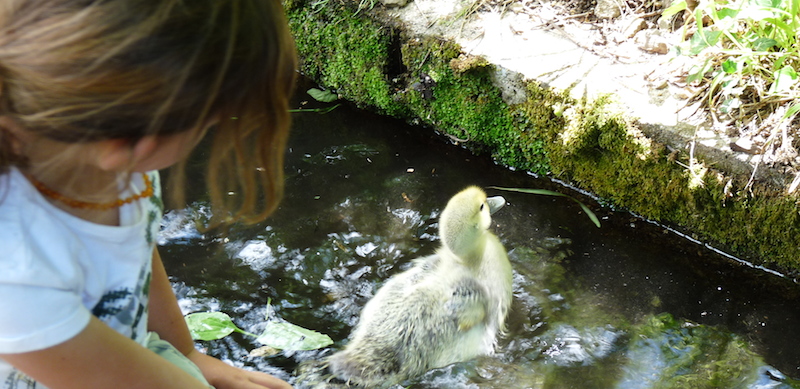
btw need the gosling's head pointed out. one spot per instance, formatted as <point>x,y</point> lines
<point>466,218</point>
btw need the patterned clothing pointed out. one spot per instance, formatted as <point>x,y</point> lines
<point>57,270</point>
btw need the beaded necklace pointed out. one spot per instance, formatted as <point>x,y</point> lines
<point>72,203</point>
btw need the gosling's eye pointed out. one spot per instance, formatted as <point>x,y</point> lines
<point>482,206</point>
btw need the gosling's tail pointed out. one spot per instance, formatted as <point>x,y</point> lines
<point>362,370</point>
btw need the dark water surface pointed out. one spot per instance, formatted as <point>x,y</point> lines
<point>628,305</point>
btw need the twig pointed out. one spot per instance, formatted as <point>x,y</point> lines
<point>575,16</point>
<point>455,139</point>
<point>648,14</point>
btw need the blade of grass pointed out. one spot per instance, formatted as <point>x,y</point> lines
<point>320,111</point>
<point>792,110</point>
<point>546,192</point>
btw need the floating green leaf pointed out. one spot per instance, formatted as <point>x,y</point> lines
<point>546,192</point>
<point>210,325</point>
<point>287,336</point>
<point>324,96</point>
<point>277,334</point>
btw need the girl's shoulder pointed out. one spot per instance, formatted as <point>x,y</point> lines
<point>22,207</point>
<point>24,222</point>
<point>17,198</point>
<point>33,230</point>
<point>21,202</point>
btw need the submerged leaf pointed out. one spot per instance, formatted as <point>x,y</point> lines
<point>210,325</point>
<point>287,336</point>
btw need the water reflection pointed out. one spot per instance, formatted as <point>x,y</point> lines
<point>624,306</point>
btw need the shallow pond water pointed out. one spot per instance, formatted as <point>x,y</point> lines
<point>627,305</point>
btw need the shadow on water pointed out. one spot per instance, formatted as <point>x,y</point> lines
<point>628,305</point>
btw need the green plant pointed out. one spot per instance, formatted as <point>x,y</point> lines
<point>366,5</point>
<point>748,52</point>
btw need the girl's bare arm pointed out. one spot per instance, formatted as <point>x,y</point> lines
<point>99,357</point>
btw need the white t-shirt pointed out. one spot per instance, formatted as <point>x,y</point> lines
<point>56,270</point>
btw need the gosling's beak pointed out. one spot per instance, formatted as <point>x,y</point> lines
<point>495,203</point>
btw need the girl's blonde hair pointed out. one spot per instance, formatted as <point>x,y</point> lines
<point>86,70</point>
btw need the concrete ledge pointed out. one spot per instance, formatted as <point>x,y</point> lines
<point>530,47</point>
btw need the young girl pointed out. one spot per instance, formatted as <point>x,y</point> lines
<point>95,96</point>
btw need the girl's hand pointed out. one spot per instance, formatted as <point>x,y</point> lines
<point>224,376</point>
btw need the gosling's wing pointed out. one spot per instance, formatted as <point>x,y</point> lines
<point>467,304</point>
<point>405,293</point>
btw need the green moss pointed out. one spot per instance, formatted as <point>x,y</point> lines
<point>597,148</point>
<point>346,53</point>
<point>603,152</point>
<point>468,106</point>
